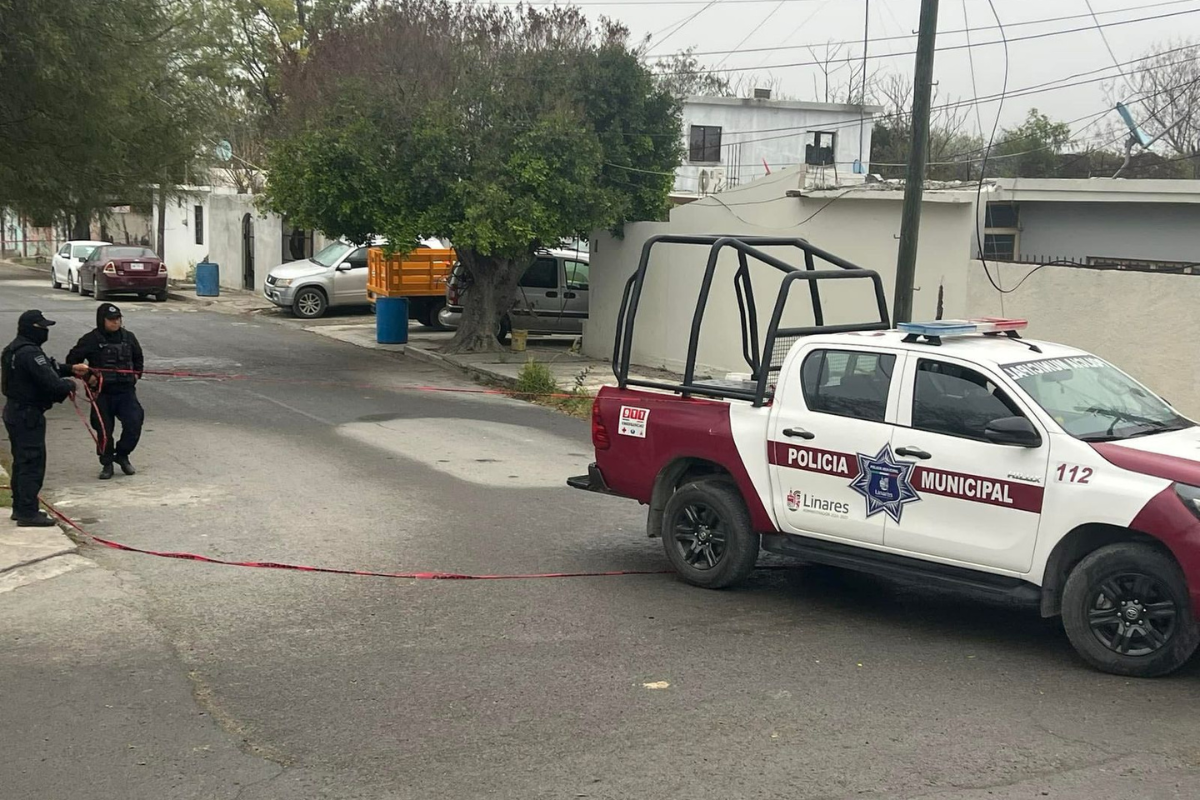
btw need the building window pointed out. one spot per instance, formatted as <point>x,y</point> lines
<point>820,152</point>
<point>199,224</point>
<point>1002,231</point>
<point>705,144</point>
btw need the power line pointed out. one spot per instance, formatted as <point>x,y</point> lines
<point>965,30</point>
<point>1050,86</point>
<point>971,58</point>
<point>983,167</point>
<point>1005,42</point>
<point>684,24</point>
<point>757,28</point>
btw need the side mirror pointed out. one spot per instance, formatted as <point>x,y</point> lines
<point>345,266</point>
<point>1013,431</point>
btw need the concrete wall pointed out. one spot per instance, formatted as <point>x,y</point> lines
<point>224,210</point>
<point>1145,324</point>
<point>775,131</point>
<point>227,214</point>
<point>1147,231</point>
<point>860,227</point>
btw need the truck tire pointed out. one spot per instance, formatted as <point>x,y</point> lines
<point>707,534</point>
<point>1127,611</point>
<point>429,314</point>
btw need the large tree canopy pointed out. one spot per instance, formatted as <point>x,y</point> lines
<point>501,129</point>
<point>98,100</point>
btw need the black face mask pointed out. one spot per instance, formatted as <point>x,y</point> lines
<point>35,334</point>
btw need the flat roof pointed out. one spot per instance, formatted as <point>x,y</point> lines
<point>788,105</point>
<point>1095,190</point>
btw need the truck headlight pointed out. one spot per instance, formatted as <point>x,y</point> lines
<point>1190,497</point>
<point>283,283</point>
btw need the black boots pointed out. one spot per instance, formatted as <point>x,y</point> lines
<point>42,520</point>
<point>126,467</point>
<point>106,472</point>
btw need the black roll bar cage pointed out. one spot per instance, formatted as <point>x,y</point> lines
<point>747,247</point>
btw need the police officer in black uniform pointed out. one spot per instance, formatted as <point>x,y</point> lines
<point>32,383</point>
<point>115,354</point>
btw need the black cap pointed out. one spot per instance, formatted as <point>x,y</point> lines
<point>34,318</point>
<point>109,311</point>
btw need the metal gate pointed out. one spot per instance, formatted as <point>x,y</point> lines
<point>248,252</point>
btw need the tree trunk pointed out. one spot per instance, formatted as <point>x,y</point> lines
<point>161,234</point>
<point>492,284</point>
<point>81,224</point>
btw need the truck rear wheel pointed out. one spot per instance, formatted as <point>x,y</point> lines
<point>1127,611</point>
<point>707,534</point>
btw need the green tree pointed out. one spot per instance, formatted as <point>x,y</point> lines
<point>98,100</point>
<point>1030,150</point>
<point>503,130</point>
<point>684,76</point>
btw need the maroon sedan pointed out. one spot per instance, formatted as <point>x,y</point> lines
<point>123,269</point>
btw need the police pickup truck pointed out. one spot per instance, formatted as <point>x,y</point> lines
<point>954,453</point>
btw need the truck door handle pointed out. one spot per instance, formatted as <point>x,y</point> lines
<point>569,295</point>
<point>913,452</point>
<point>551,294</point>
<point>798,433</point>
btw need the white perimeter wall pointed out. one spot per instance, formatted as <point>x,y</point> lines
<point>860,227</point>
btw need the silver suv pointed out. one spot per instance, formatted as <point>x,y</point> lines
<point>552,296</point>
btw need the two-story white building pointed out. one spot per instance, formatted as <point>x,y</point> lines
<point>730,141</point>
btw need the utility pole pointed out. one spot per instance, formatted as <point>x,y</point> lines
<point>910,225</point>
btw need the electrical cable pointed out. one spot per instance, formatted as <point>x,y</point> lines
<point>979,222</point>
<point>1006,41</point>
<point>966,30</point>
<point>746,38</point>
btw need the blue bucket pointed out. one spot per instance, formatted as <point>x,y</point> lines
<point>391,320</point>
<point>208,279</point>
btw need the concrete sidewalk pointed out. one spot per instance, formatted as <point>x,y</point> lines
<point>24,547</point>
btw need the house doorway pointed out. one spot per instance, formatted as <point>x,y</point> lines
<point>248,252</point>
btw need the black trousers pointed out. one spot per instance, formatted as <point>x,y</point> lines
<point>122,406</point>
<point>26,427</point>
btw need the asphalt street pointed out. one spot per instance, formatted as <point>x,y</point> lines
<point>136,677</point>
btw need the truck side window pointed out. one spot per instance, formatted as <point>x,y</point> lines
<point>542,275</point>
<point>847,383</point>
<point>957,401</point>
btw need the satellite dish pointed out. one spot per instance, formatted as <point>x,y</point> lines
<point>223,150</point>
<point>1138,134</point>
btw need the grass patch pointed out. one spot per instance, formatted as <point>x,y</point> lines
<point>537,384</point>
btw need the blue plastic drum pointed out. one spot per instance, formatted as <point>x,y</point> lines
<point>391,320</point>
<point>208,279</point>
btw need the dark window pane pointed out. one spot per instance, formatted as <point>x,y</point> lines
<point>1001,215</point>
<point>1002,246</point>
<point>199,224</point>
<point>848,384</point>
<point>542,275</point>
<point>956,401</point>
<point>704,143</point>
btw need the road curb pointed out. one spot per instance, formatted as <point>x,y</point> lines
<point>187,298</point>
<point>15,565</point>
<point>453,364</point>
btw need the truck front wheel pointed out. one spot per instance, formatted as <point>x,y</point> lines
<point>707,534</point>
<point>1127,611</point>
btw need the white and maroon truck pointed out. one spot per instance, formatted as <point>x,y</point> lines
<point>954,453</point>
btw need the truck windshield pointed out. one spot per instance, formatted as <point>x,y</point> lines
<point>330,253</point>
<point>1094,401</point>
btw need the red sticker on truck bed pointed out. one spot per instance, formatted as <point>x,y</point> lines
<point>634,421</point>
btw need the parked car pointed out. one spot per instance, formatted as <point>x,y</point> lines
<point>552,296</point>
<point>335,276</point>
<point>123,269</point>
<point>64,267</point>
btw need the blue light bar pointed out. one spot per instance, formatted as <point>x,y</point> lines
<point>948,327</point>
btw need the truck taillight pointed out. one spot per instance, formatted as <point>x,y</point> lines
<point>110,268</point>
<point>452,294</point>
<point>600,438</point>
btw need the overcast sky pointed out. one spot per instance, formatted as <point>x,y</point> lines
<point>771,23</point>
